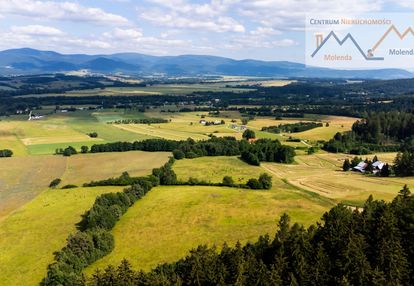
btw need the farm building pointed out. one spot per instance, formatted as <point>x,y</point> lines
<point>360,167</point>
<point>377,167</point>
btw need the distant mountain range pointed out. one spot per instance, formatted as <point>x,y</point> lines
<point>30,61</point>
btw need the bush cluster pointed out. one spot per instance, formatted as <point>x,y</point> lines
<point>6,153</point>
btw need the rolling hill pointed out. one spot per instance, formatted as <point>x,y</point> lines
<point>30,61</point>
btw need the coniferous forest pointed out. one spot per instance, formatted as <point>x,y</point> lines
<point>368,246</point>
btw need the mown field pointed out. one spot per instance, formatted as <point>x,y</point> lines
<point>322,174</point>
<point>30,235</point>
<point>58,130</point>
<point>170,221</point>
<point>22,178</point>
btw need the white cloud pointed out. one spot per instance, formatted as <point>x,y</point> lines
<point>257,42</point>
<point>284,43</point>
<point>265,31</point>
<point>36,30</point>
<point>173,19</point>
<point>124,34</point>
<point>214,8</point>
<point>405,3</point>
<point>68,11</point>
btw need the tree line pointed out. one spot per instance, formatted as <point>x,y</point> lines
<point>93,239</point>
<point>369,246</point>
<point>167,176</point>
<point>262,150</point>
<point>381,132</point>
<point>140,121</point>
<point>293,127</point>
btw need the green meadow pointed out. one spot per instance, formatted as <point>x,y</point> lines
<point>32,233</point>
<point>170,221</point>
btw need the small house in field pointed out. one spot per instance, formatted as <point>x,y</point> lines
<point>360,167</point>
<point>378,166</point>
<point>203,122</point>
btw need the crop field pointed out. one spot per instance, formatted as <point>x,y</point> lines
<point>169,221</point>
<point>22,178</point>
<point>30,235</point>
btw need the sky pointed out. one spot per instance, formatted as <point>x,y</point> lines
<point>239,29</point>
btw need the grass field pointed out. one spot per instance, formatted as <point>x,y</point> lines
<point>59,130</point>
<point>84,168</point>
<point>22,178</point>
<point>336,124</point>
<point>322,174</point>
<point>162,89</point>
<point>169,221</point>
<point>29,236</point>
<point>214,170</point>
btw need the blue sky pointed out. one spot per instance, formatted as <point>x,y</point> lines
<point>240,29</point>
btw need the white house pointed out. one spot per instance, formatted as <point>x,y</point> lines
<point>377,167</point>
<point>361,167</point>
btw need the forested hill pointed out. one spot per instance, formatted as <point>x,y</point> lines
<point>30,61</point>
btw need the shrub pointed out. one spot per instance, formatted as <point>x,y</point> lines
<point>254,184</point>
<point>84,149</point>
<point>6,153</point>
<point>249,134</point>
<point>69,187</point>
<point>55,183</point>
<point>265,181</point>
<point>69,151</point>
<point>178,154</point>
<point>228,181</point>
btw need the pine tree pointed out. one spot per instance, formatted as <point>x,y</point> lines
<point>385,171</point>
<point>405,192</point>
<point>125,275</point>
<point>346,166</point>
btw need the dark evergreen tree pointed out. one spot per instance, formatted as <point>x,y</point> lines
<point>347,165</point>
